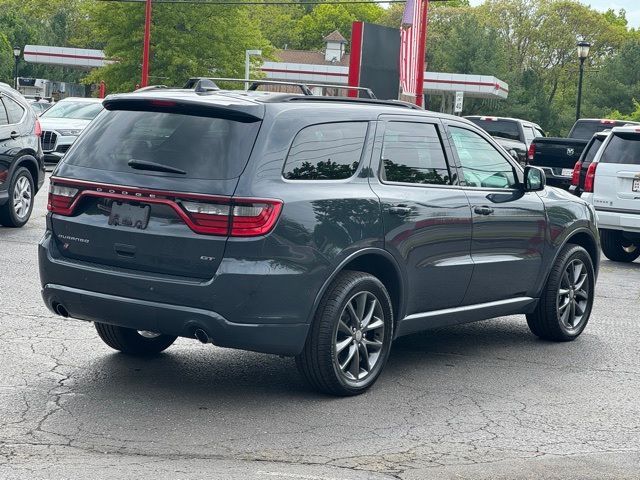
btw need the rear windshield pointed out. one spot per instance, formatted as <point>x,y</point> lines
<point>585,129</point>
<point>623,148</point>
<point>499,128</point>
<point>592,149</point>
<point>201,147</point>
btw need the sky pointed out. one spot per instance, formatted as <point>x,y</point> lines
<point>631,6</point>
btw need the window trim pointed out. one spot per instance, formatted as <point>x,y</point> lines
<point>361,160</point>
<point>453,170</point>
<point>24,110</point>
<point>518,170</point>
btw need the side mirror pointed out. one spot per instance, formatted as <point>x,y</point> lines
<point>534,179</point>
<point>514,155</point>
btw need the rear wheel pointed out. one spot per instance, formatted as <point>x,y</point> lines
<point>16,212</point>
<point>133,342</point>
<point>350,337</point>
<point>617,248</point>
<point>565,304</point>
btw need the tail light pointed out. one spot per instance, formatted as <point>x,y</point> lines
<point>204,214</point>
<point>589,181</point>
<point>575,178</point>
<point>3,175</point>
<point>37,129</point>
<point>531,152</point>
<point>61,198</point>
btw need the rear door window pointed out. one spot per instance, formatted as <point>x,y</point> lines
<point>329,151</point>
<point>413,153</point>
<point>14,111</point>
<point>623,148</point>
<point>202,147</point>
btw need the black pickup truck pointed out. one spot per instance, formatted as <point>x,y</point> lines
<point>557,156</point>
<point>513,134</point>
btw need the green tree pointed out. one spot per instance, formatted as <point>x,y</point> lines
<point>186,41</point>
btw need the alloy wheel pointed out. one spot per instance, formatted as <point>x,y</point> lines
<point>22,197</point>
<point>359,336</point>
<point>573,295</point>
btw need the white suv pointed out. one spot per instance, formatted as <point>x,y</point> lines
<point>612,186</point>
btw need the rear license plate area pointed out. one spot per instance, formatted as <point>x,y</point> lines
<point>635,187</point>
<point>129,215</point>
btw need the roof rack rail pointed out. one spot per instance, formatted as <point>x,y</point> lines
<point>372,101</point>
<point>150,87</point>
<point>203,84</point>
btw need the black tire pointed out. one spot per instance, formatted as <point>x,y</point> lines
<point>546,321</point>
<point>319,361</point>
<point>8,215</point>
<point>131,342</point>
<point>617,248</point>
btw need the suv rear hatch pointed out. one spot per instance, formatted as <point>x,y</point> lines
<point>149,187</point>
<point>617,174</point>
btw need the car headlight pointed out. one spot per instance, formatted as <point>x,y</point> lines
<point>71,132</point>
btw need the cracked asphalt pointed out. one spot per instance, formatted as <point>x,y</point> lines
<point>480,401</point>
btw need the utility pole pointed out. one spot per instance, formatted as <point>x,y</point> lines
<point>146,47</point>
<point>424,14</point>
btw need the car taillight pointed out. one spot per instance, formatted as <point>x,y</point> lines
<point>531,152</point>
<point>252,218</point>
<point>238,217</point>
<point>60,198</point>
<point>575,178</point>
<point>3,175</point>
<point>590,178</point>
<point>37,130</point>
<point>204,214</point>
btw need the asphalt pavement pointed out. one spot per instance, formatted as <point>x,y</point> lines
<point>481,401</point>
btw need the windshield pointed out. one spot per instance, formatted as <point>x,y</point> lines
<point>77,110</point>
<point>167,144</point>
<point>499,128</point>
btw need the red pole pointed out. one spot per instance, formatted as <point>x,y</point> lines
<point>421,48</point>
<point>102,89</point>
<point>145,48</point>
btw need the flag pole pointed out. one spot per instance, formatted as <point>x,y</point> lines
<point>424,9</point>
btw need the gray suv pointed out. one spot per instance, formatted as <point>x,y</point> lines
<point>315,227</point>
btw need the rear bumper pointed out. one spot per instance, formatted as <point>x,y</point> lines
<point>618,220</point>
<point>555,179</point>
<point>178,320</point>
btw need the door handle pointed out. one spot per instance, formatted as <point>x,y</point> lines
<point>14,135</point>
<point>123,250</point>
<point>483,210</point>
<point>400,210</point>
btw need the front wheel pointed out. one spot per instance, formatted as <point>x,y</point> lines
<point>617,248</point>
<point>350,338</point>
<point>566,301</point>
<point>133,342</point>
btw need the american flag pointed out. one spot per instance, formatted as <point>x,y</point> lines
<point>409,46</point>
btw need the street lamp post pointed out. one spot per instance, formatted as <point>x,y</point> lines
<point>583,53</point>
<point>247,64</point>
<point>16,56</point>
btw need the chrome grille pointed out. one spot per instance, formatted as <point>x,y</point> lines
<point>48,141</point>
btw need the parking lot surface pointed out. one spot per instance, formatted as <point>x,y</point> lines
<point>483,401</point>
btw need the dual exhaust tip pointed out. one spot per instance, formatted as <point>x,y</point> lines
<point>200,334</point>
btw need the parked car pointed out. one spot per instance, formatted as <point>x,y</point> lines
<point>513,134</point>
<point>21,162</point>
<point>63,123</point>
<point>40,106</point>
<point>557,156</point>
<point>314,227</point>
<point>612,186</point>
<point>582,165</point>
